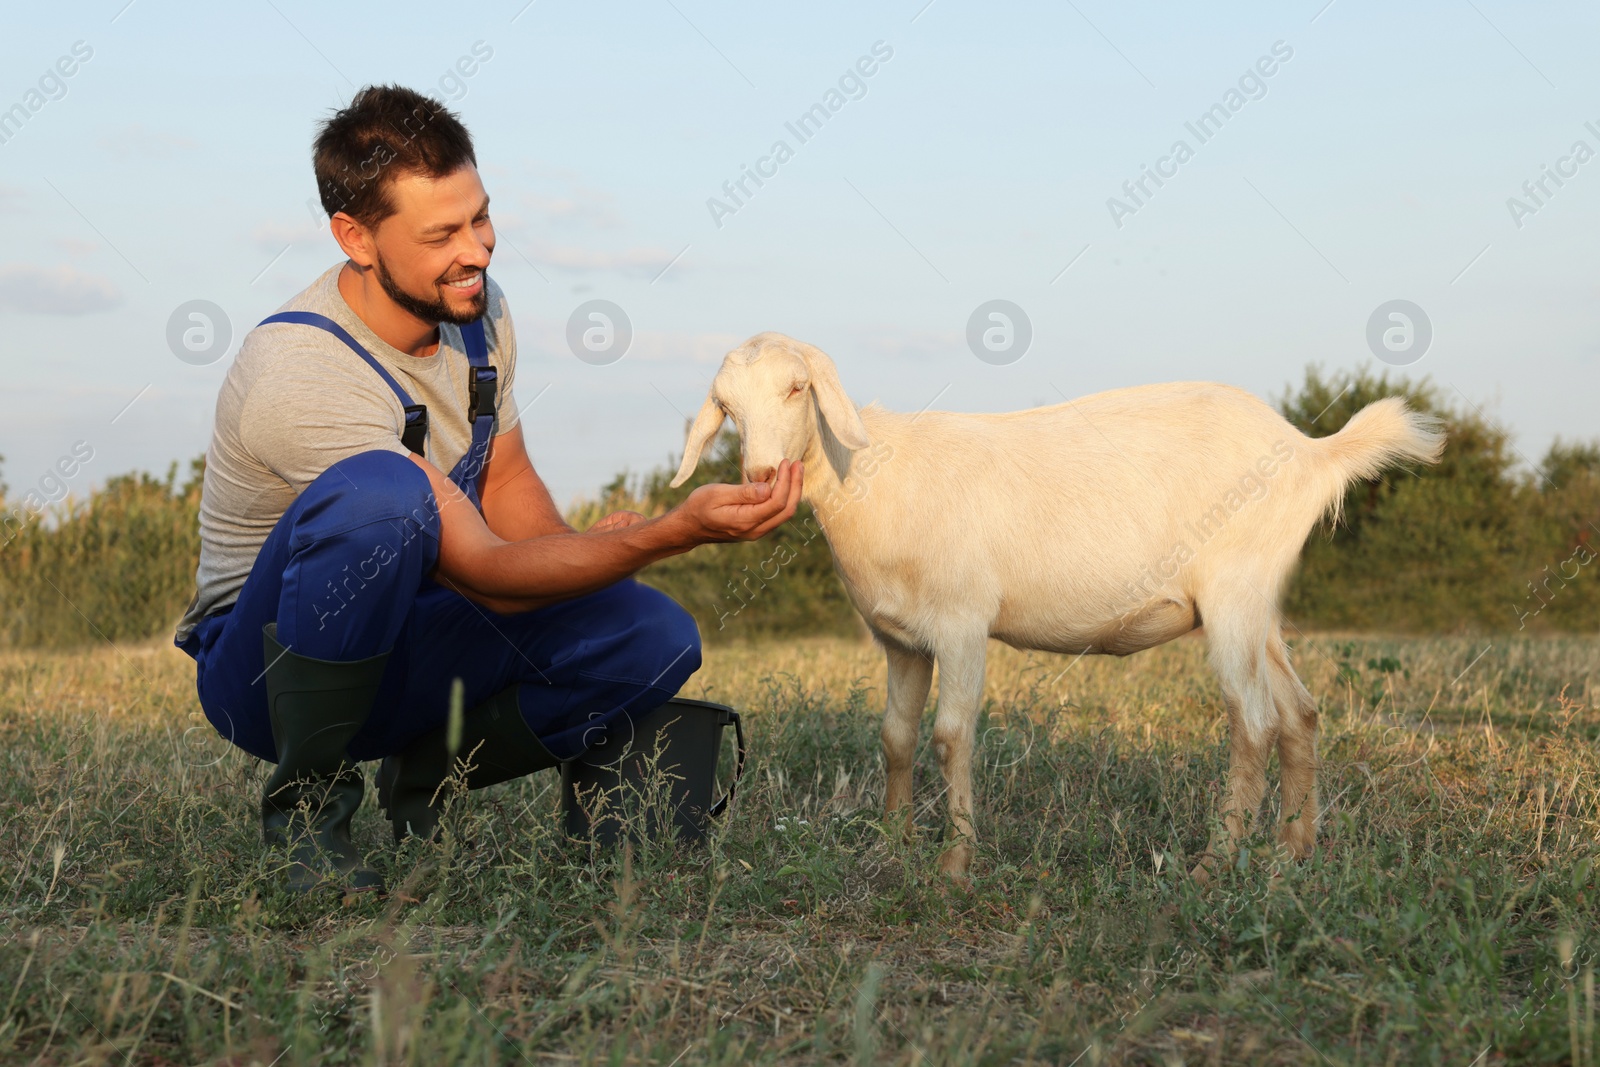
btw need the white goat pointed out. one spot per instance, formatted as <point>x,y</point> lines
<point>1107,524</point>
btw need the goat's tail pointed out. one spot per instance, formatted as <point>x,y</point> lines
<point>1381,435</point>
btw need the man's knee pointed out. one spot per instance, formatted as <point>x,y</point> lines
<point>377,486</point>
<point>672,635</point>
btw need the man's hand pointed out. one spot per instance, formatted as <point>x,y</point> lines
<point>510,576</point>
<point>743,512</point>
<point>615,521</point>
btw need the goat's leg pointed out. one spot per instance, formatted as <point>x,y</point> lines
<point>1297,754</point>
<point>954,733</point>
<point>1238,653</point>
<point>910,677</point>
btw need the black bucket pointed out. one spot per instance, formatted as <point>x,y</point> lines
<point>681,742</point>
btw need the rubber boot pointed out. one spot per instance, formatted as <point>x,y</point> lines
<point>316,707</point>
<point>495,742</point>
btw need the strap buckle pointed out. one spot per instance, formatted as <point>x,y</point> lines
<point>416,431</point>
<point>482,388</point>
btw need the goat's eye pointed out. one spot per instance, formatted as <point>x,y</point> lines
<point>796,389</point>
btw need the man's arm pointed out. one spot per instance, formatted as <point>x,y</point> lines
<point>516,503</point>
<point>517,575</point>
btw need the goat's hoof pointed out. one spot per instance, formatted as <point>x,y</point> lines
<point>956,862</point>
<point>1206,869</point>
<point>1298,846</point>
<point>899,823</point>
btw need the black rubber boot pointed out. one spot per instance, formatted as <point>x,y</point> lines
<point>317,706</point>
<point>495,742</point>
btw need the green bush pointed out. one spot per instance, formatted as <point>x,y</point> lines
<point>117,567</point>
<point>1449,548</point>
<point>1480,543</point>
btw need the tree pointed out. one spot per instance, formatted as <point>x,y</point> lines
<point>1436,548</point>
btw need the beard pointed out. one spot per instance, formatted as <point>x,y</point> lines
<point>436,309</point>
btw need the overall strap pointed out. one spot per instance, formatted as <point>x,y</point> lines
<point>416,415</point>
<point>483,380</point>
<point>482,388</point>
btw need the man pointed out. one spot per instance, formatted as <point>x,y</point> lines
<point>372,528</point>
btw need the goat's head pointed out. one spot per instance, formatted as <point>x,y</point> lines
<point>781,394</point>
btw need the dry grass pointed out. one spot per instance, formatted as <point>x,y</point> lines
<point>1449,917</point>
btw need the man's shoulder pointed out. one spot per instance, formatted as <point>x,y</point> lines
<point>312,298</point>
<point>272,341</point>
<point>285,356</point>
<point>316,296</point>
<point>287,348</point>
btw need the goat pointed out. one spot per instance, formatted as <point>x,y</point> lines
<point>1108,524</point>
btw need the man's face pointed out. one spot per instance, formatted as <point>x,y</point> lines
<point>431,254</point>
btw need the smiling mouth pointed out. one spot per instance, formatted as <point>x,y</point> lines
<point>469,282</point>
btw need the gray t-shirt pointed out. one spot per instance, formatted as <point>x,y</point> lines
<point>297,400</point>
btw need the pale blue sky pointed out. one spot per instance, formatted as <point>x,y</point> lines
<point>978,164</point>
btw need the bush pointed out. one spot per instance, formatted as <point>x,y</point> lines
<point>117,567</point>
<point>1477,543</point>
<point>1449,548</point>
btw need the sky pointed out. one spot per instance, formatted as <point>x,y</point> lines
<point>1382,159</point>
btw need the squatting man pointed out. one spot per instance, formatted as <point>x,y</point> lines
<point>371,526</point>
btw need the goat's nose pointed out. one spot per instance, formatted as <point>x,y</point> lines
<point>759,474</point>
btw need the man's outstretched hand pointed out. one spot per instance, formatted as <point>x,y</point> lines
<point>511,575</point>
<point>746,512</point>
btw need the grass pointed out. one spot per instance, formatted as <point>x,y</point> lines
<point>1449,915</point>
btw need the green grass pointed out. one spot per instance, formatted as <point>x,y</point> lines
<point>1448,917</point>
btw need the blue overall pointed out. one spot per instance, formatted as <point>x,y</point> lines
<point>345,573</point>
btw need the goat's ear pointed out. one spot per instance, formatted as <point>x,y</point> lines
<point>706,425</point>
<point>832,400</point>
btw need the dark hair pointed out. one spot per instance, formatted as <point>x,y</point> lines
<point>385,132</point>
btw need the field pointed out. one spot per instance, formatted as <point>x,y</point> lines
<point>1450,915</point>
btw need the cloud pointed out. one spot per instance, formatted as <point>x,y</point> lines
<point>271,237</point>
<point>649,346</point>
<point>889,342</point>
<point>10,199</point>
<point>546,214</point>
<point>134,140</point>
<point>581,206</point>
<point>663,346</point>
<point>55,290</point>
<point>550,196</point>
<point>639,262</point>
